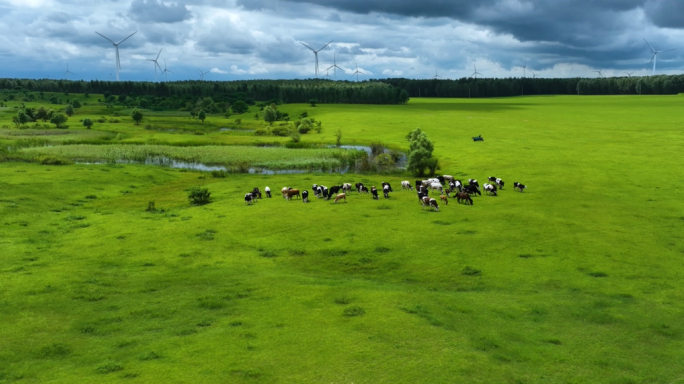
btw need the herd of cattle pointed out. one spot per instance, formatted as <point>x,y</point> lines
<point>444,185</point>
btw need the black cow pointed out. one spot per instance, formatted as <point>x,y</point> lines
<point>363,189</point>
<point>471,190</point>
<point>256,192</point>
<point>500,183</point>
<point>374,193</point>
<point>519,186</point>
<point>314,188</point>
<point>248,198</point>
<point>441,179</point>
<point>474,183</point>
<point>419,183</point>
<point>305,196</point>
<point>386,190</point>
<point>421,194</point>
<point>333,191</point>
<point>359,186</point>
<point>325,192</point>
<point>491,179</point>
<point>384,184</point>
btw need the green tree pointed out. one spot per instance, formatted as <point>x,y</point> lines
<point>58,119</point>
<point>239,107</point>
<point>420,153</point>
<point>270,114</point>
<point>23,117</point>
<point>418,161</point>
<point>338,137</point>
<point>76,104</point>
<point>15,121</point>
<point>201,115</point>
<point>313,102</point>
<point>137,116</point>
<point>69,110</point>
<point>87,123</point>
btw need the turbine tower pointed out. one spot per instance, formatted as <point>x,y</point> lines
<point>654,58</point>
<point>599,73</point>
<point>629,74</point>
<point>525,68</point>
<point>476,72</point>
<point>202,73</point>
<point>334,67</point>
<point>156,65</point>
<point>165,71</point>
<point>436,76</point>
<point>116,48</point>
<point>316,53</point>
<point>357,72</point>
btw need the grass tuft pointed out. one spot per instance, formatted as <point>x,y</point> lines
<point>109,366</point>
<point>353,311</point>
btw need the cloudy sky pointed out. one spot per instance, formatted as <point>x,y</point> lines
<point>248,39</point>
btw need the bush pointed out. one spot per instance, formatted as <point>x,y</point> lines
<point>199,196</point>
<point>280,131</point>
<point>220,174</point>
<point>261,132</point>
<point>313,102</point>
<point>377,148</point>
<point>52,160</point>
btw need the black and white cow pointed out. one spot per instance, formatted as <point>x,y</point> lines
<point>474,183</point>
<point>406,185</point>
<point>248,198</point>
<point>305,196</point>
<point>490,189</point>
<point>314,188</point>
<point>421,194</point>
<point>374,193</point>
<point>346,187</point>
<point>471,190</point>
<point>333,191</point>
<point>500,183</point>
<point>491,179</point>
<point>458,185</point>
<point>386,190</point>
<point>268,192</point>
<point>359,186</point>
<point>384,184</point>
<point>256,192</point>
<point>442,179</point>
<point>518,186</point>
<point>419,183</point>
<point>363,189</point>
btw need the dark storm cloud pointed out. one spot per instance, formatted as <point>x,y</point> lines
<point>158,11</point>
<point>666,13</point>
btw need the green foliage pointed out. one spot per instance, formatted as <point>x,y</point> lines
<point>199,196</point>
<point>87,123</point>
<point>137,116</point>
<point>201,115</point>
<point>22,118</point>
<point>420,153</point>
<point>58,119</point>
<point>69,110</point>
<point>338,137</point>
<point>270,114</point>
<point>76,104</point>
<point>239,107</point>
<point>109,367</point>
<point>295,135</point>
<point>313,102</point>
<point>353,311</point>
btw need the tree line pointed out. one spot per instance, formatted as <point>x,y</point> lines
<point>287,91</point>
<point>491,87</point>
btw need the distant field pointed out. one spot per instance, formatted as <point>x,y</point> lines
<point>577,280</point>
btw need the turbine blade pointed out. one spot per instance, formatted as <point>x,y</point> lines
<point>325,45</point>
<point>307,46</point>
<point>158,56</point>
<point>127,37</point>
<point>105,37</point>
<point>650,45</point>
<point>668,50</point>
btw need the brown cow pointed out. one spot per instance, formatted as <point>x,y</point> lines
<point>465,197</point>
<point>341,196</point>
<point>425,202</point>
<point>292,193</point>
<point>444,199</point>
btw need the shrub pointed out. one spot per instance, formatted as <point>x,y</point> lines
<point>199,196</point>
<point>280,131</point>
<point>304,114</point>
<point>353,311</point>
<point>220,174</point>
<point>52,160</point>
<point>313,102</point>
<point>261,132</point>
<point>377,148</point>
<point>87,123</point>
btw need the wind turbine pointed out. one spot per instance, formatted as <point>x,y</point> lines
<point>357,72</point>
<point>316,53</point>
<point>165,71</point>
<point>327,74</point>
<point>334,67</point>
<point>68,71</point>
<point>436,76</point>
<point>476,72</point>
<point>202,74</point>
<point>116,47</point>
<point>654,58</point>
<point>156,65</point>
<point>599,72</point>
<point>629,74</point>
<point>534,75</point>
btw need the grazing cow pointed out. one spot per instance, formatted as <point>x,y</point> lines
<point>471,190</point>
<point>442,179</point>
<point>406,185</point>
<point>433,204</point>
<point>490,189</point>
<point>333,191</point>
<point>419,183</point>
<point>314,188</point>
<point>449,177</point>
<point>256,192</point>
<point>386,190</point>
<point>424,202</point>
<point>491,179</point>
<point>429,203</point>
<point>363,189</point>
<point>448,192</point>
<point>325,192</point>
<point>458,185</point>
<point>436,186</point>
<point>248,199</point>
<point>444,199</point>
<point>284,191</point>
<point>268,192</point>
<point>500,183</point>
<point>463,196</point>
<point>292,193</point>
<point>341,196</point>
<point>358,186</point>
<point>384,184</point>
<point>305,196</point>
<point>519,186</point>
<point>374,193</point>
<point>318,192</point>
<point>421,195</point>
<point>474,182</point>
<point>346,187</point>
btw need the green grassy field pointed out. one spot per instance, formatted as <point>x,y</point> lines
<point>577,280</point>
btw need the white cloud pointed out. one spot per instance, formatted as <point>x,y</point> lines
<point>216,70</point>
